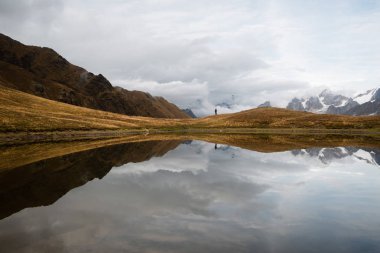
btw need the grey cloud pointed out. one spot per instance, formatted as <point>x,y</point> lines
<point>17,16</point>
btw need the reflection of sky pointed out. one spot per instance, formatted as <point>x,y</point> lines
<point>198,199</point>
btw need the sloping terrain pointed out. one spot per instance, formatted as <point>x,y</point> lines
<point>43,72</point>
<point>283,118</point>
<point>20,111</point>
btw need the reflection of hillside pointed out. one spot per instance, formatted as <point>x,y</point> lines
<point>277,142</point>
<point>45,181</point>
<point>327,155</point>
<point>39,174</point>
<point>21,155</point>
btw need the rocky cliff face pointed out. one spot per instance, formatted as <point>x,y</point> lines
<point>342,109</point>
<point>367,103</point>
<point>43,72</point>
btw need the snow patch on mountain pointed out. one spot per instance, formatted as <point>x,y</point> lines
<point>365,97</point>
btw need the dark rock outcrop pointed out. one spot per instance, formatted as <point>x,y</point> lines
<point>350,104</point>
<point>368,108</point>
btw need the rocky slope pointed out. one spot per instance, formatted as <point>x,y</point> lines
<point>43,72</point>
<point>367,103</point>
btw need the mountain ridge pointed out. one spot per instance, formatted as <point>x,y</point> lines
<point>41,71</point>
<point>367,103</point>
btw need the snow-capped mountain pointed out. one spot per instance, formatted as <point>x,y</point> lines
<point>318,104</point>
<point>367,103</point>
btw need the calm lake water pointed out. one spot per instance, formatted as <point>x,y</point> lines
<point>193,196</point>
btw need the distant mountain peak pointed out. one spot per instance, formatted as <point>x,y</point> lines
<point>189,112</point>
<point>265,104</point>
<point>326,92</point>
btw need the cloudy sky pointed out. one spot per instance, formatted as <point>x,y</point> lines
<point>200,53</point>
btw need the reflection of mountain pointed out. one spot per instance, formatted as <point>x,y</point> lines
<point>44,182</point>
<point>327,155</point>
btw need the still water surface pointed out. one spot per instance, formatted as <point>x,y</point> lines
<point>193,196</point>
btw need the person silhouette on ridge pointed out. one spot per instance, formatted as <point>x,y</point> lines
<point>216,111</point>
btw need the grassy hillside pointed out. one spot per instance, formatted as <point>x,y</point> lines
<point>43,72</point>
<point>284,118</point>
<point>24,112</point>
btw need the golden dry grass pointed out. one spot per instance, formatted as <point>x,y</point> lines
<point>21,112</point>
<point>18,155</point>
<point>283,118</point>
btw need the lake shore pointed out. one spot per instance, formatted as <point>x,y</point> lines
<point>13,138</point>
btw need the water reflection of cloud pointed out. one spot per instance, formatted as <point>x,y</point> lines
<point>187,157</point>
<point>196,198</point>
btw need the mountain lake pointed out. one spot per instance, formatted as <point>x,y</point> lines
<point>191,196</point>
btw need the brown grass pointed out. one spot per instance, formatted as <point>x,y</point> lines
<point>21,112</point>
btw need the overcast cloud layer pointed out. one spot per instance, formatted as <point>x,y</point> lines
<point>201,53</point>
